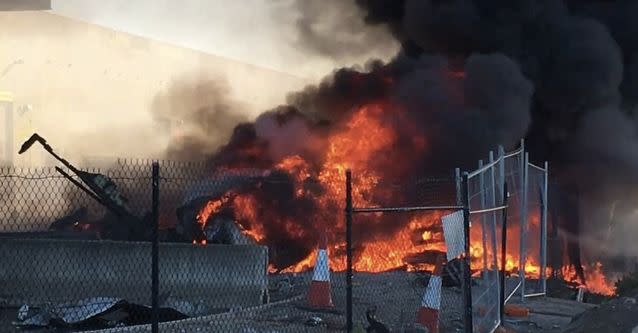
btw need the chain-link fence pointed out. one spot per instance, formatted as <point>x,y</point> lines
<point>187,250</point>
<point>57,272</point>
<point>403,274</point>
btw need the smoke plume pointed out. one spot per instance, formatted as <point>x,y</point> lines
<point>336,29</point>
<point>199,113</point>
<point>580,57</point>
<point>471,74</point>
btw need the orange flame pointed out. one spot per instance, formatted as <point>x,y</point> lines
<point>361,143</point>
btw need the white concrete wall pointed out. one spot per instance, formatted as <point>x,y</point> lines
<point>86,83</point>
<point>35,271</point>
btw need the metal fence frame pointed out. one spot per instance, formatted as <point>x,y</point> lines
<point>517,184</point>
<point>482,201</point>
<point>543,203</point>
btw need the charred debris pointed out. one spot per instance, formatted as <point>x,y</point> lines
<point>120,223</point>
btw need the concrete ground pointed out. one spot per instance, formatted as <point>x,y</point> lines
<point>547,314</point>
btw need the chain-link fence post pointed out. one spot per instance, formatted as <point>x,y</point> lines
<point>467,273</point>
<point>349,324</point>
<point>155,251</point>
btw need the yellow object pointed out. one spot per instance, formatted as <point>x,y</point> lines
<point>6,96</point>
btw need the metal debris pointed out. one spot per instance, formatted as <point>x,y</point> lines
<point>314,321</point>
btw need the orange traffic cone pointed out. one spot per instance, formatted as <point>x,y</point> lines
<point>319,294</point>
<point>428,314</point>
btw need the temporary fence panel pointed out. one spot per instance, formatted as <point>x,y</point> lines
<point>514,163</point>
<point>525,255</point>
<point>536,231</point>
<point>484,195</point>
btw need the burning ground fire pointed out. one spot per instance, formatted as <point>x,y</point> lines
<point>365,143</point>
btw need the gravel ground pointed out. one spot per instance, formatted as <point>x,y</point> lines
<point>397,297</point>
<point>619,315</point>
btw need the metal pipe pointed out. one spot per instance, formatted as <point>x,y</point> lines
<point>402,209</point>
<point>536,167</point>
<point>482,217</point>
<point>503,254</point>
<point>518,285</point>
<point>467,276</point>
<point>457,180</point>
<point>481,169</point>
<point>544,203</point>
<point>487,210</point>
<point>523,233</point>
<point>9,136</point>
<point>78,184</point>
<point>155,250</point>
<point>513,153</point>
<point>493,227</point>
<point>349,211</point>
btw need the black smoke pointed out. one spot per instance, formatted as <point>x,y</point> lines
<point>473,74</point>
<point>582,59</point>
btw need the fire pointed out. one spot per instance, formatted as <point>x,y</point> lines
<point>210,208</point>
<point>366,141</point>
<point>390,252</point>
<point>245,209</point>
<point>354,147</point>
<point>595,280</point>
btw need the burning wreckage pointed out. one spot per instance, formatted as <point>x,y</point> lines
<point>119,223</point>
<point>247,206</point>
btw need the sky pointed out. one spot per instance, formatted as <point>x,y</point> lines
<point>259,32</point>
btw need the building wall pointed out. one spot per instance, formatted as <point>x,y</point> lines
<point>78,83</point>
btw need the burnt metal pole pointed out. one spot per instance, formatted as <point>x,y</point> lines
<point>155,250</point>
<point>467,276</point>
<point>349,212</point>
<point>544,203</point>
<point>503,252</point>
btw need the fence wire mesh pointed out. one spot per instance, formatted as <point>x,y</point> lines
<point>395,253</point>
<point>70,263</point>
<point>514,177</point>
<point>237,253</point>
<point>56,273</point>
<point>485,198</point>
<point>535,233</point>
<point>524,260</point>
